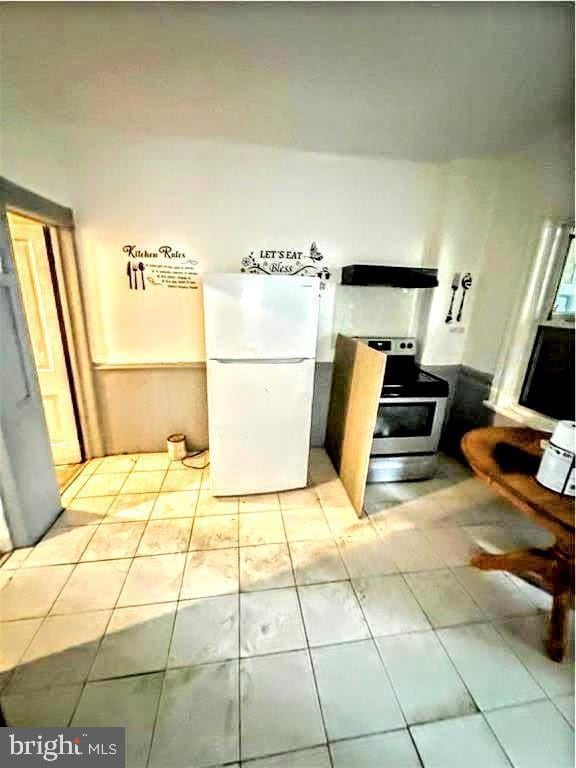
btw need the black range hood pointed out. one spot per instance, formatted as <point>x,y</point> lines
<point>395,277</point>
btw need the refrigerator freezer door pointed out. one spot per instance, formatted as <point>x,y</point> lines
<point>259,425</point>
<point>260,316</point>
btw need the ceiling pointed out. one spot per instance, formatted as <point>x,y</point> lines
<point>425,81</point>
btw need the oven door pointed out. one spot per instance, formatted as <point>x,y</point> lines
<point>408,425</point>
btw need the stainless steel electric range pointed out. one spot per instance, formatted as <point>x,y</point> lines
<point>411,412</point>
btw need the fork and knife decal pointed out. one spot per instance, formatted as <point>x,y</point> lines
<point>133,270</point>
<point>465,283</point>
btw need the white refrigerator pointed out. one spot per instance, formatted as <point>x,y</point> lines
<point>260,333</point>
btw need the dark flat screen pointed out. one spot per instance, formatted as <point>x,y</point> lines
<point>549,383</point>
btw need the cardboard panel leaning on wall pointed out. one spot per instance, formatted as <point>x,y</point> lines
<point>356,388</point>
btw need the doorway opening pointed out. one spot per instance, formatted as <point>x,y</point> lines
<point>36,250</point>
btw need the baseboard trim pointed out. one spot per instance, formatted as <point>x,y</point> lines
<point>145,366</point>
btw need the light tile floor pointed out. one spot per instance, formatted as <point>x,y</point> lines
<point>279,631</point>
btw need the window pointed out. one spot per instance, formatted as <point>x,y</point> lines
<point>564,302</point>
<point>535,377</point>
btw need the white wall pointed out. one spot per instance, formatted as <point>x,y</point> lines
<point>491,218</point>
<point>469,191</point>
<point>531,186</point>
<point>217,202</point>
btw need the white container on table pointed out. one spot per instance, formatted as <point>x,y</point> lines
<point>556,470</point>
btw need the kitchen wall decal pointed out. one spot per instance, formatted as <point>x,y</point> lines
<point>287,262</point>
<point>166,267</point>
<point>458,281</point>
<point>454,290</point>
<point>466,285</point>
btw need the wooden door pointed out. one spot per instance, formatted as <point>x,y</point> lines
<point>37,290</point>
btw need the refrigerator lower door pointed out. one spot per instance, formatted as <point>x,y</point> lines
<point>259,415</point>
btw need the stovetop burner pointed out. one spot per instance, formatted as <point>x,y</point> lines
<point>420,383</point>
<point>402,376</point>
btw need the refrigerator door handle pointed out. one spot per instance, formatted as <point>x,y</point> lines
<point>261,361</point>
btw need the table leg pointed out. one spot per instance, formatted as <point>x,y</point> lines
<point>557,571</point>
<point>537,560</point>
<point>558,627</point>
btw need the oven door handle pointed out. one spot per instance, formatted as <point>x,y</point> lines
<point>391,399</point>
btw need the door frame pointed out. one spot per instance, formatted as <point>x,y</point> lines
<point>60,221</point>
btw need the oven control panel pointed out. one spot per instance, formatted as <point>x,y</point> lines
<point>392,345</point>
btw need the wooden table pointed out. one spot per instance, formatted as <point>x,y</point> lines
<point>507,459</point>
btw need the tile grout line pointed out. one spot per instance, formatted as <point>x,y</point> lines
<point>500,744</point>
<point>117,521</point>
<point>78,477</point>
<point>560,711</point>
<point>486,620</point>
<point>413,742</point>
<point>341,543</point>
<point>289,549</point>
<point>119,493</point>
<point>429,617</point>
<point>150,521</point>
<point>272,654</point>
<point>505,706</point>
<point>75,476</point>
<point>134,471</point>
<point>108,623</point>
<point>381,733</point>
<point>308,649</point>
<point>481,621</point>
<point>374,638</point>
<point>515,589</point>
<point>377,649</point>
<point>99,645</point>
<point>133,555</point>
<point>43,620</point>
<point>512,650</point>
<point>434,630</point>
<point>165,672</point>
<point>100,519</point>
<point>101,640</point>
<point>277,589</point>
<point>338,539</point>
<point>10,673</point>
